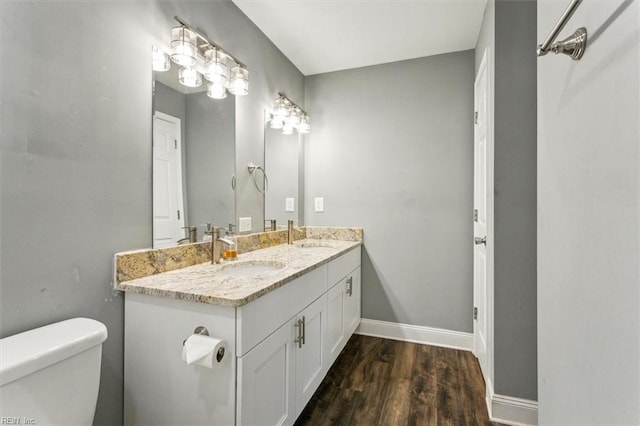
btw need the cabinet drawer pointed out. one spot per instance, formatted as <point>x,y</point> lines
<point>340,267</point>
<point>258,319</point>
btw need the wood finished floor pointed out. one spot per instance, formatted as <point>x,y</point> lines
<point>385,382</point>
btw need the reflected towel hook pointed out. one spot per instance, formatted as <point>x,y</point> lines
<point>252,168</point>
<point>574,45</point>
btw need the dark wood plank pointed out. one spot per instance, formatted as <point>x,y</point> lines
<point>396,403</point>
<point>450,411</point>
<point>423,409</point>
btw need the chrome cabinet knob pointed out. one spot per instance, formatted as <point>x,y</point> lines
<point>479,240</point>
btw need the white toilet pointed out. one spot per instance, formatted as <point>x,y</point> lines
<point>50,375</point>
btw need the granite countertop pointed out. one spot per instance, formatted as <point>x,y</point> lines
<point>213,284</point>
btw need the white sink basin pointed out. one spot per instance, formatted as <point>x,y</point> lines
<point>251,268</point>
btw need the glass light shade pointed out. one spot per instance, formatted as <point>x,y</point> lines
<point>183,44</point>
<point>294,117</point>
<point>281,107</point>
<point>216,91</point>
<point>287,129</point>
<point>276,122</point>
<point>189,77</point>
<point>304,126</point>
<point>160,60</point>
<point>216,69</point>
<point>239,81</point>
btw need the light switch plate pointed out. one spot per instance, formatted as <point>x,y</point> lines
<point>319,204</point>
<point>244,224</point>
<point>289,204</point>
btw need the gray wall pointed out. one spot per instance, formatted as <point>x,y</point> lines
<point>589,220</point>
<point>391,150</point>
<point>75,175</point>
<point>509,31</point>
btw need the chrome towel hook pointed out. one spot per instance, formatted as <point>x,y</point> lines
<point>574,45</point>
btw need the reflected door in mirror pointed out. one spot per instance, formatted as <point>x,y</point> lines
<point>168,216</point>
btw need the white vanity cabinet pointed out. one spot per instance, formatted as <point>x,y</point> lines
<point>279,349</point>
<point>277,378</point>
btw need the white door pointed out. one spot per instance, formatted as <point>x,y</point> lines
<point>480,217</point>
<point>265,391</point>
<point>309,355</point>
<point>168,212</point>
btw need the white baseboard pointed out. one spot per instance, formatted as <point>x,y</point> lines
<point>416,334</point>
<point>509,410</point>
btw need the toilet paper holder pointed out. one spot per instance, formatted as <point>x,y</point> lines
<point>204,332</point>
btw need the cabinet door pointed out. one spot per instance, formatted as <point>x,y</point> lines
<point>335,321</point>
<point>266,387</point>
<point>352,303</point>
<point>309,353</point>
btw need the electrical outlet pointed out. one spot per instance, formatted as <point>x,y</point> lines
<point>289,204</point>
<point>244,224</point>
<point>319,204</point>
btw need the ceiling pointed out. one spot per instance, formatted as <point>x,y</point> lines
<point>321,36</point>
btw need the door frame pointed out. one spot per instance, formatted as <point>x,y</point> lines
<point>486,62</point>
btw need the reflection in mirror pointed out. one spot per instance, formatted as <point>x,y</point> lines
<point>281,154</point>
<point>193,161</point>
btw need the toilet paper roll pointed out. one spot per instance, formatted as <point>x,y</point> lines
<point>204,351</point>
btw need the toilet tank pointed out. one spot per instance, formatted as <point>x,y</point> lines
<point>50,375</point>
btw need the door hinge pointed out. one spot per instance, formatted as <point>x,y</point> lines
<point>178,214</point>
<point>475,215</point>
<point>475,117</point>
<point>175,143</point>
<point>475,313</point>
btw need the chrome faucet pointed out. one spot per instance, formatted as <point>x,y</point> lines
<point>290,238</point>
<point>216,245</point>
<point>193,235</point>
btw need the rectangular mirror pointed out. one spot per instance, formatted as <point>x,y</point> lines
<point>193,161</point>
<point>281,157</point>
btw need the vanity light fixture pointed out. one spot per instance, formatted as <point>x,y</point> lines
<point>198,56</point>
<point>288,116</point>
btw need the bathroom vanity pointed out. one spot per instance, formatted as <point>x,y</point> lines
<point>285,313</point>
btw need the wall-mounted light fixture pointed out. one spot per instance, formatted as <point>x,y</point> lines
<point>288,116</point>
<point>198,56</point>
